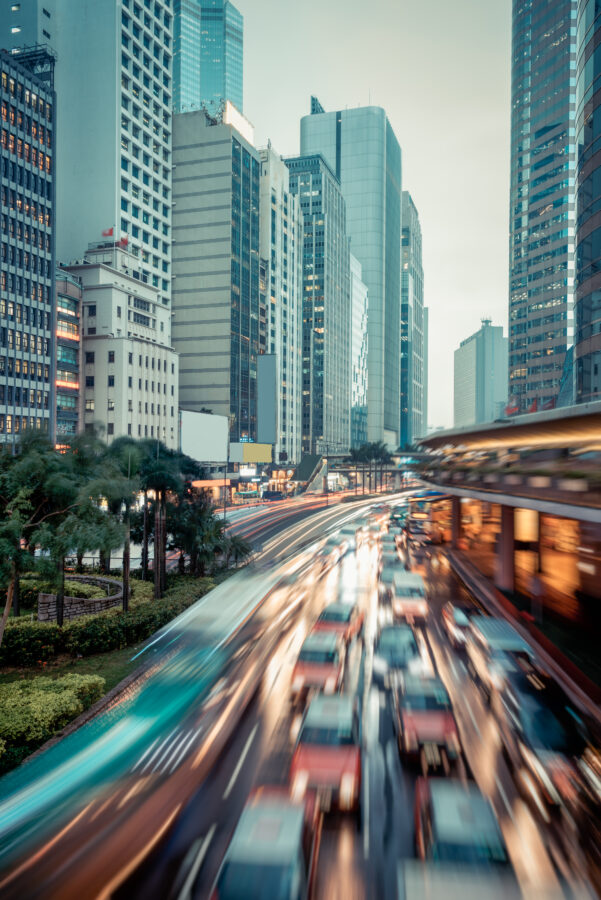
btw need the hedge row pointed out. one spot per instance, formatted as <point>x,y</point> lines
<point>34,709</point>
<point>28,643</point>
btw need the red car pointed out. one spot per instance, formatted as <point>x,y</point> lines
<point>426,726</point>
<point>320,665</point>
<point>274,849</point>
<point>327,757</point>
<point>344,619</point>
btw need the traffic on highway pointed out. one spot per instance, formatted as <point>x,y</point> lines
<point>342,719</point>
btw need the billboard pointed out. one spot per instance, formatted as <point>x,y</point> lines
<point>203,437</point>
<point>248,452</point>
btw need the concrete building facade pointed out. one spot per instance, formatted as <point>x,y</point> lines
<point>27,228</point>
<point>541,266</point>
<point>326,359</point>
<point>113,87</point>
<point>216,267</point>
<point>361,149</point>
<point>281,254</point>
<point>130,370</point>
<point>480,370</point>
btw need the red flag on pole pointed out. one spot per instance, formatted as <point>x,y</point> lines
<point>533,405</point>
<point>108,232</point>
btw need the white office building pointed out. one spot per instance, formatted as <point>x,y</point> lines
<point>280,249</point>
<point>113,145</point>
<point>130,371</point>
<point>480,377</point>
<point>216,266</point>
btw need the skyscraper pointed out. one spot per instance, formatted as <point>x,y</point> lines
<point>359,307</point>
<point>281,251</point>
<point>216,267</point>
<point>413,346</point>
<point>208,43</point>
<point>113,90</point>
<point>27,276</point>
<point>541,198</point>
<point>326,359</point>
<point>360,147</point>
<point>69,368</point>
<point>587,350</point>
<point>221,53</point>
<point>480,376</point>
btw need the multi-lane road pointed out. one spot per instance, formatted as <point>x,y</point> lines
<point>144,801</point>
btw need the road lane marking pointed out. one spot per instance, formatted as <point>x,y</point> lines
<point>145,754</point>
<point>159,748</point>
<point>505,800</point>
<point>240,762</point>
<point>473,718</point>
<point>189,882</point>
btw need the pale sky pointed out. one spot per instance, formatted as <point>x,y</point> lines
<point>441,70</point>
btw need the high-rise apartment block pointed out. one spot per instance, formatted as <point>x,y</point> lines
<point>480,376</point>
<point>27,309</point>
<point>359,310</point>
<point>113,163</point>
<point>414,346</point>
<point>281,252</point>
<point>587,349</point>
<point>69,369</point>
<point>216,266</point>
<point>130,371</point>
<point>361,149</point>
<point>208,55</point>
<point>541,269</point>
<point>326,359</point>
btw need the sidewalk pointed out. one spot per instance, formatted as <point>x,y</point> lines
<point>578,672</point>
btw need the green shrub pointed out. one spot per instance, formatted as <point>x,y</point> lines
<point>29,643</point>
<point>34,709</point>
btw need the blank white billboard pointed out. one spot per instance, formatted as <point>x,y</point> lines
<point>203,437</point>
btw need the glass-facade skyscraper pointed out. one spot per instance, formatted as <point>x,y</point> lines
<point>360,147</point>
<point>541,199</point>
<point>587,349</point>
<point>208,44</point>
<point>413,344</point>
<point>326,356</point>
<point>359,307</point>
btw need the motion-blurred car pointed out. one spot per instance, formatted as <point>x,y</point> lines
<point>454,823</point>
<point>409,601</point>
<point>331,553</point>
<point>543,735</point>
<point>320,665</point>
<point>492,647</point>
<point>395,653</point>
<point>386,580</point>
<point>456,624</point>
<point>343,619</point>
<point>425,724</point>
<point>273,852</point>
<point>327,756</point>
<point>419,880</point>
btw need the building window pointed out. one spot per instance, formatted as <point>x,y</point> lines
<point>110,428</point>
<point>111,381</point>
<point>90,381</point>
<point>90,405</point>
<point>90,358</point>
<point>92,310</point>
<point>111,356</point>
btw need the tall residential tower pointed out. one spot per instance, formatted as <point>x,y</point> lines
<point>413,334</point>
<point>361,149</point>
<point>541,268</point>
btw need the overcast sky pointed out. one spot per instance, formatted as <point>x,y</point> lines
<point>442,71</point>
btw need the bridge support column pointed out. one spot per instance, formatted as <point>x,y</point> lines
<point>505,561</point>
<point>455,521</point>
